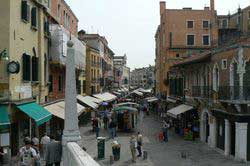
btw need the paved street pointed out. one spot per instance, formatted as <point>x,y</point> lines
<point>160,154</point>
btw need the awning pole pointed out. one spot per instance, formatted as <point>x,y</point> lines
<point>30,128</point>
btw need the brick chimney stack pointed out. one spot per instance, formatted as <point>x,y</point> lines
<point>162,7</point>
<point>212,5</point>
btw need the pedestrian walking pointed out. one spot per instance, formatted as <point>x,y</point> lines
<point>97,126</point>
<point>27,154</point>
<point>53,153</point>
<point>133,148</point>
<point>105,121</point>
<point>165,130</point>
<point>112,127</point>
<point>35,146</point>
<point>139,144</point>
<point>44,141</point>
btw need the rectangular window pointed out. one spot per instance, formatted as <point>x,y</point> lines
<point>190,24</point>
<point>205,40</point>
<point>26,67</point>
<point>59,11</point>
<point>25,9</point>
<point>190,40</point>
<point>205,24</point>
<point>224,64</point>
<point>34,68</point>
<point>60,83</point>
<point>224,23</point>
<point>51,83</point>
<point>33,17</point>
<point>248,14</point>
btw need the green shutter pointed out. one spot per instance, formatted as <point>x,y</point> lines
<point>33,17</point>
<point>24,10</point>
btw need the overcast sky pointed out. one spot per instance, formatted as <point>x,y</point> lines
<point>130,25</point>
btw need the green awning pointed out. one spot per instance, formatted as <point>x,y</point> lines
<point>4,117</point>
<point>36,112</point>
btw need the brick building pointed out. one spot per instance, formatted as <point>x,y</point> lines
<point>216,84</point>
<point>176,39</point>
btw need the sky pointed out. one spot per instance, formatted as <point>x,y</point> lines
<point>130,25</point>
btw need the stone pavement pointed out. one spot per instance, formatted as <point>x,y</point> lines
<point>169,154</point>
<point>90,143</point>
<point>159,153</point>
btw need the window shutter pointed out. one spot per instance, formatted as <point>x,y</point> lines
<point>26,67</point>
<point>28,13</point>
<point>24,10</point>
<point>34,68</point>
<point>33,17</point>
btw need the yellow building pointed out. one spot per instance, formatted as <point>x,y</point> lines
<point>93,71</point>
<point>24,56</point>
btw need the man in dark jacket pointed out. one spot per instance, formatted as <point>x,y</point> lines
<point>53,152</point>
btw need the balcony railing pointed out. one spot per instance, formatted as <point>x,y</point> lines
<point>234,93</point>
<point>202,92</point>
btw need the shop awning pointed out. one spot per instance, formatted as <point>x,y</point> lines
<point>171,100</point>
<point>124,108</point>
<point>58,109</point>
<point>174,112</point>
<point>116,93</point>
<point>137,93</point>
<point>89,101</point>
<point>128,104</point>
<point>36,112</point>
<point>144,90</point>
<point>153,99</point>
<point>4,117</point>
<point>105,96</point>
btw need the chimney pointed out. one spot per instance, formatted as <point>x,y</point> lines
<point>212,5</point>
<point>162,7</point>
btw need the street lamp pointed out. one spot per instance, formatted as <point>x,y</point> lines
<point>4,55</point>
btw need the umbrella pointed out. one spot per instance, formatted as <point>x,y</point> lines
<point>105,103</point>
<point>131,109</point>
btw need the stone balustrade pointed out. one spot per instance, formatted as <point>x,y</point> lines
<point>76,156</point>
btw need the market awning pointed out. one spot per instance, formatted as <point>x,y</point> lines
<point>153,99</point>
<point>105,96</point>
<point>116,93</point>
<point>89,101</point>
<point>127,103</point>
<point>124,108</point>
<point>137,93</point>
<point>4,117</point>
<point>144,90</point>
<point>58,109</point>
<point>36,112</point>
<point>174,112</point>
<point>171,100</point>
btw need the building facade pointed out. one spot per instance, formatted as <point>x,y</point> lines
<point>102,63</point>
<point>121,72</point>
<point>216,84</point>
<point>143,77</point>
<point>176,39</point>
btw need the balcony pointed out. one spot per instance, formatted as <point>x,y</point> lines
<point>234,93</point>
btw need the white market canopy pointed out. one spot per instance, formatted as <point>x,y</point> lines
<point>116,93</point>
<point>89,101</point>
<point>127,103</point>
<point>171,100</point>
<point>144,90</point>
<point>151,99</point>
<point>58,109</point>
<point>137,93</point>
<point>107,97</point>
<point>174,112</point>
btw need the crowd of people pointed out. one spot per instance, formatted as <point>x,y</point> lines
<point>34,152</point>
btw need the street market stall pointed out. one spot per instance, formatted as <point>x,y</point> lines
<point>126,118</point>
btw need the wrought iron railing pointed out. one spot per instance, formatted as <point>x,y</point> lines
<point>202,92</point>
<point>234,93</point>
